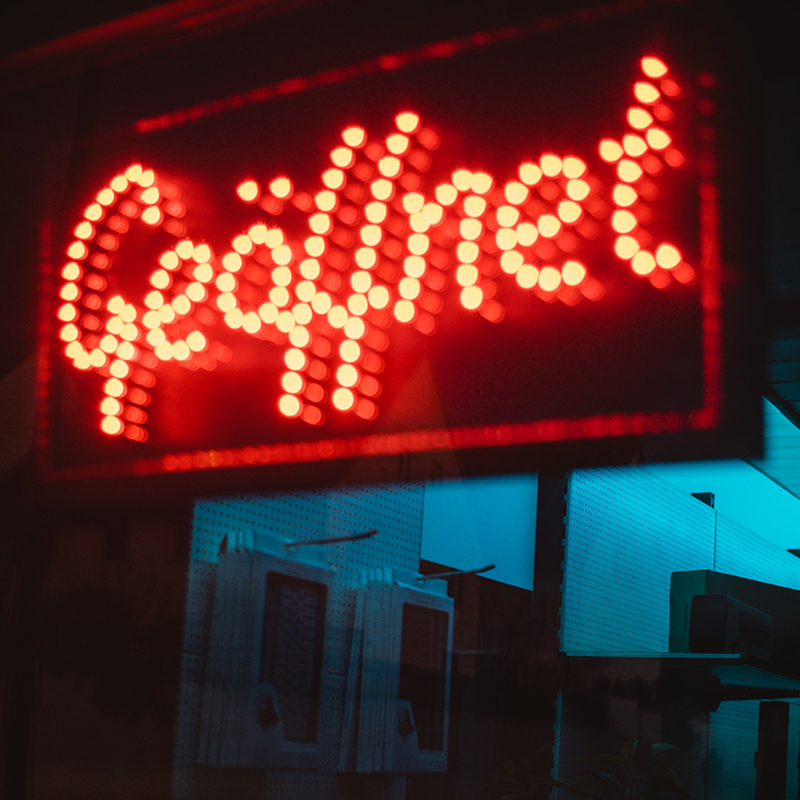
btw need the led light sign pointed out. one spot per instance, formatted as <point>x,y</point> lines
<point>407,289</point>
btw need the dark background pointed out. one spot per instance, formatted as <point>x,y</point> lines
<point>92,577</point>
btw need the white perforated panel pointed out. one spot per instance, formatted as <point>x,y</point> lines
<point>742,553</point>
<point>395,511</point>
<point>627,531</point>
<point>732,743</point>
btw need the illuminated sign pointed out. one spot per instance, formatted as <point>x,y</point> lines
<point>409,288</point>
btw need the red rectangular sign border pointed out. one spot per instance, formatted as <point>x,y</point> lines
<point>548,431</point>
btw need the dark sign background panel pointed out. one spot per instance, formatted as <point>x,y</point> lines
<point>637,357</point>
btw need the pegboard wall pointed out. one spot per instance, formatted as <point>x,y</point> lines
<point>626,532</point>
<point>395,511</point>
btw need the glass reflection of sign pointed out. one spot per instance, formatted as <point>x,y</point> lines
<point>412,288</point>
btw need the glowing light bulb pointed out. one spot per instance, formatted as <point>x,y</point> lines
<point>292,382</point>
<point>467,252</point>
<point>333,178</point>
<point>94,212</point>
<point>667,256</point>
<point>626,247</point>
<point>623,221</point>
<point>226,302</point>
<point>446,194</point>
<point>529,174</point>
<point>548,225</point>
<point>342,157</point>
<point>281,187</point>
<point>232,262</point>
<point>409,288</point>
<point>549,279</point>
<point>361,281</point>
<point>196,341</point>
<point>154,299</point>
<point>573,167</point>
<point>511,261</point>
<point>378,297</point>
<point>354,136</point>
<point>573,273</point>
<point>282,255</point>
<point>243,244</point>
<point>321,303</point>
<point>105,197</point>
<point>69,333</point>
<point>152,215</point>
<point>643,263</point>
<point>628,171</point>
<point>634,145</point>
<point>516,193</point>
<point>474,206</point>
<point>466,275</point>
<point>337,317</point>
<point>505,238</point>
<point>569,211</point>
<point>624,195</point>
<point>347,375</point>
<point>84,230</point>
<point>371,235</point>
<point>397,143</point>
<point>114,388</point>
<point>407,122</point>
<point>248,191</point>
<point>389,166</point>
<point>150,196</point>
<point>645,92</point>
<point>462,180</point>
<point>527,276</point>
<point>414,266</point>
<point>382,189</point>
<point>111,425</point>
<point>203,273</point>
<point>550,165</point>
<point>289,405</point>
<point>412,203</point>
<point>354,328</point>
<point>251,323</point>
<point>376,212</point>
<point>639,118</point>
<point>610,150</point>
<point>343,398</point>
<point>481,183</point>
<point>418,243</point>
<point>470,229</point>
<point>268,312</point>
<point>471,297</point>
<point>325,200</point>
<point>285,321</point>
<point>653,67</point>
<point>77,250</point>
<point>418,222</point>
<point>350,351</point>
<point>527,233</point>
<point>366,257</point>
<point>71,271</point>
<point>111,406</point>
<point>404,310</point>
<point>507,216</point>
<point>658,139</point>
